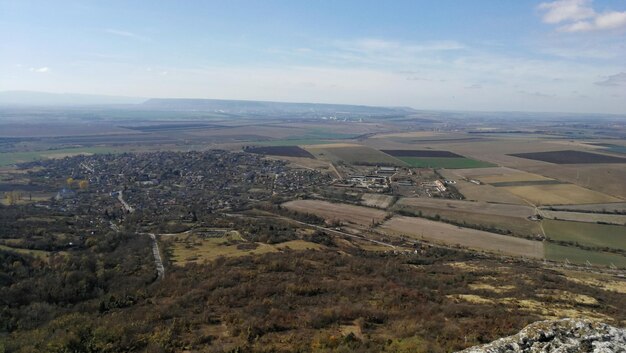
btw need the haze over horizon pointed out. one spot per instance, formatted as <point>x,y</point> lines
<point>552,56</point>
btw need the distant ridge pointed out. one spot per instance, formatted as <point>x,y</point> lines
<point>263,107</point>
<point>34,98</point>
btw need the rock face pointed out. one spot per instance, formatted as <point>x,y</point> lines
<point>560,336</point>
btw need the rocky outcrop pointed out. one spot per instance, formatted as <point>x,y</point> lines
<point>560,336</point>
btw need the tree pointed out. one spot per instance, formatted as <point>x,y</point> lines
<point>13,197</point>
<point>69,181</point>
<point>83,184</point>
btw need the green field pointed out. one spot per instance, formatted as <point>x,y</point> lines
<point>579,256</point>
<point>590,234</point>
<point>326,134</point>
<point>292,142</point>
<point>8,158</point>
<point>448,163</point>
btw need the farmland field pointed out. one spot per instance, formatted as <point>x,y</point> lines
<point>570,157</point>
<point>422,153</point>
<point>287,151</point>
<point>292,142</point>
<point>337,211</point>
<point>590,234</point>
<point>412,134</point>
<point>612,148</point>
<point>448,163</point>
<point>377,200</point>
<point>558,194</point>
<point>500,216</point>
<point>513,177</point>
<point>526,183</point>
<point>618,219</point>
<point>8,158</point>
<point>353,154</point>
<point>574,255</point>
<point>420,228</point>
<point>486,193</point>
<point>605,178</point>
<point>595,207</point>
<point>496,172</point>
<point>468,206</point>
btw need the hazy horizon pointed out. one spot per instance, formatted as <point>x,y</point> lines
<point>535,56</point>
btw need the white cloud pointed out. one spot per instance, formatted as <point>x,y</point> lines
<point>614,80</point>
<point>375,45</point>
<point>39,69</point>
<point>566,10</point>
<point>579,16</point>
<point>611,20</point>
<point>126,34</point>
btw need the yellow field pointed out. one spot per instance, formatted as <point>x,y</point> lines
<point>559,194</point>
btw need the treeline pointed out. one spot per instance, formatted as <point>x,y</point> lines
<point>35,290</point>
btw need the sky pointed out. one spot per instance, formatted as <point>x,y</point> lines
<point>481,55</point>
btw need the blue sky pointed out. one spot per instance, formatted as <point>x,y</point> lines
<point>512,55</point>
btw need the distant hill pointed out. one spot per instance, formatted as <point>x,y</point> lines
<point>234,107</point>
<point>264,107</point>
<point>32,98</point>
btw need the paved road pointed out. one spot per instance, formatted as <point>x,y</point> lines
<point>127,207</point>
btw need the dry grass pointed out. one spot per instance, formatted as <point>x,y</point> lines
<point>566,296</point>
<point>377,200</point>
<point>491,288</point>
<point>600,281</point>
<point>547,310</point>
<point>190,248</point>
